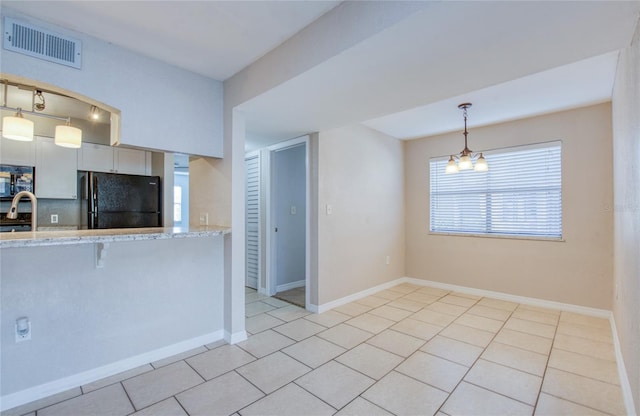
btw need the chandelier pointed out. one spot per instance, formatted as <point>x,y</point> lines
<point>466,158</point>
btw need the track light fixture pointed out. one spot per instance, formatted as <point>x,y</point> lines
<point>466,157</point>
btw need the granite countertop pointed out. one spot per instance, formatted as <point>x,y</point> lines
<point>55,238</point>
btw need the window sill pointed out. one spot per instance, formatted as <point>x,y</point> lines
<point>500,236</point>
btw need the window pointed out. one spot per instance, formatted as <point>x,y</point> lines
<point>177,204</point>
<point>520,195</point>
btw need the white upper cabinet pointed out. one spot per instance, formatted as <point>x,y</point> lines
<point>56,170</point>
<point>13,152</point>
<point>99,158</point>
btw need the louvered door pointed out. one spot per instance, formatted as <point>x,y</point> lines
<point>252,201</point>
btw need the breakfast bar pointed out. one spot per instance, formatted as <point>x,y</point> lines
<point>99,302</point>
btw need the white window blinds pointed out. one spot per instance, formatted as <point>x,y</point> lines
<point>520,195</point>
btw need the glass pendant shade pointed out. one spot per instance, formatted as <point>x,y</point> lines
<point>17,128</point>
<point>465,163</point>
<point>451,166</point>
<point>67,136</point>
<point>481,164</point>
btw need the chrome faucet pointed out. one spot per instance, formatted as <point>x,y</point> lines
<point>13,210</point>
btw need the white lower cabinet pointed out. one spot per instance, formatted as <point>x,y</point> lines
<point>100,158</point>
<point>56,170</point>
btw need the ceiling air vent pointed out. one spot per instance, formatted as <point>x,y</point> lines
<point>40,43</point>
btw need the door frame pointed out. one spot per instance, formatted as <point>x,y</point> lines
<point>270,253</point>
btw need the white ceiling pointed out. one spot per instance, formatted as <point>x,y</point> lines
<point>511,59</point>
<point>212,38</point>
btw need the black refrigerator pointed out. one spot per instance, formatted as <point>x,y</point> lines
<point>123,201</point>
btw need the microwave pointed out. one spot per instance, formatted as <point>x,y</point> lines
<point>14,179</point>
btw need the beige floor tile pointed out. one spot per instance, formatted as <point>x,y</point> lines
<point>335,383</point>
<point>265,343</point>
<point>360,407</point>
<point>345,336</point>
<point>405,288</point>
<point>219,361</point>
<point>467,334</point>
<point>253,296</point>
<point>370,323</point>
<point>249,290</point>
<point>216,344</point>
<point>433,370</point>
<point>402,395</point>
<point>277,302</point>
<point>498,304</point>
<point>328,319</point>
<point>372,301</point>
<point>434,291</point>
<point>479,322</point>
<point>586,320</point>
<point>466,295</point>
<point>288,313</point>
<point>584,365</point>
<point>291,400</point>
<point>179,357</point>
<point>314,351</point>
<point>525,341</point>
<point>423,298</point>
<point>262,322</point>
<point>111,400</point>
<point>255,308</point>
<point>433,317</point>
<point>389,294</point>
<point>41,403</point>
<point>548,311</point>
<point>273,371</point>
<point>487,312</point>
<point>169,407</point>
<point>370,360</point>
<point>552,406</point>
<point>510,356</point>
<point>396,342</point>
<point>458,300</point>
<point>299,329</point>
<point>353,309</point>
<point>585,391</point>
<point>406,304</point>
<point>389,312</point>
<point>583,331</point>
<point>455,310</point>
<point>510,382</point>
<point>116,378</point>
<point>157,385</point>
<point>468,399</point>
<point>418,329</point>
<point>585,346</point>
<point>220,396</point>
<point>536,316</point>
<point>530,327</point>
<point>453,350</point>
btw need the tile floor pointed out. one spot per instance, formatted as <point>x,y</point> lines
<point>408,350</point>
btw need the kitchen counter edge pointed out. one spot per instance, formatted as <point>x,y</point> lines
<point>56,238</point>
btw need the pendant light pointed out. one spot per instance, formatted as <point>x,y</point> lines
<point>466,157</point>
<point>17,127</point>
<point>68,136</point>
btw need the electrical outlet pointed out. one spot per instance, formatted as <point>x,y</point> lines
<point>54,218</point>
<point>388,260</point>
<point>329,209</point>
<point>23,329</point>
<point>204,218</point>
<point>293,210</point>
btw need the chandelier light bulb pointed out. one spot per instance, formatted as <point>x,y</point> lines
<point>451,166</point>
<point>481,164</point>
<point>465,163</point>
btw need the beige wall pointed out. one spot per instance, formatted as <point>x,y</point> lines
<point>626,187</point>
<point>361,176</point>
<point>576,271</point>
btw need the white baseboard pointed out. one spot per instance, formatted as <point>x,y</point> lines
<point>291,285</point>
<point>57,386</point>
<point>627,394</point>
<point>363,294</point>
<point>235,337</point>
<point>585,310</point>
